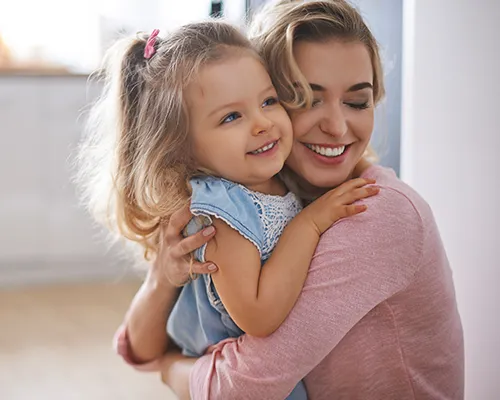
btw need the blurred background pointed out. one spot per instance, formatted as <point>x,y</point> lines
<point>64,290</point>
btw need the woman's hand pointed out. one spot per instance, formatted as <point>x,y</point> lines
<point>173,262</point>
<point>338,203</point>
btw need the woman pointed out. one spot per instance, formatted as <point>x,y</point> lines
<point>377,317</point>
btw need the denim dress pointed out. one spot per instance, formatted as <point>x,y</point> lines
<point>199,319</point>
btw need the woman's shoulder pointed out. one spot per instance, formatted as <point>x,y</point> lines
<point>390,234</point>
<point>396,198</point>
<point>393,226</point>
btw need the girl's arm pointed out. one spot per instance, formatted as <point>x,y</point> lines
<point>260,298</point>
<point>143,337</point>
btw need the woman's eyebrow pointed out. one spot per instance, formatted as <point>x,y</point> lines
<point>317,88</point>
<point>314,87</point>
<point>354,88</point>
<point>360,86</point>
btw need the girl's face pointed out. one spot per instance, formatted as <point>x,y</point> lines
<point>331,137</point>
<point>239,129</point>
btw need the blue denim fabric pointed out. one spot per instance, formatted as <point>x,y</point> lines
<point>199,319</point>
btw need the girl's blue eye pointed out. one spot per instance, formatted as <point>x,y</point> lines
<point>231,117</point>
<point>270,102</point>
<point>315,102</point>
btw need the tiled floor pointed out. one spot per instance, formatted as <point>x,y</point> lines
<point>55,343</point>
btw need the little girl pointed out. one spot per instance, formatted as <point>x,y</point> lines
<point>194,118</point>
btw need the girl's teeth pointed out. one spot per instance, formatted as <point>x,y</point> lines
<point>326,151</point>
<point>265,148</point>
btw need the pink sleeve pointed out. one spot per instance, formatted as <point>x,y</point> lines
<point>359,263</point>
<point>121,344</point>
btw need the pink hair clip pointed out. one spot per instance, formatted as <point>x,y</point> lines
<point>149,50</point>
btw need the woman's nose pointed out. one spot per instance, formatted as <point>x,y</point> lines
<point>334,122</point>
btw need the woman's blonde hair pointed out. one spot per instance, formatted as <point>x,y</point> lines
<point>281,24</point>
<point>136,157</point>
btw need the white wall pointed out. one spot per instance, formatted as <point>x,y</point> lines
<point>450,150</point>
<point>45,236</point>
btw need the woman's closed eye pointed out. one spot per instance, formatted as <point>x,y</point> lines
<point>316,102</point>
<point>230,117</point>
<point>271,101</point>
<point>359,106</point>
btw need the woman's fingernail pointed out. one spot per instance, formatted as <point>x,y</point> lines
<point>208,231</point>
<point>212,267</point>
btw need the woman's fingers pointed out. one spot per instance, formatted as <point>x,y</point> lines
<point>176,224</point>
<point>191,243</point>
<point>203,268</point>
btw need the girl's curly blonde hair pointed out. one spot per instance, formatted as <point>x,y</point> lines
<point>136,158</point>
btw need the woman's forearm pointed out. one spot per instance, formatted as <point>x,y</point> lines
<point>175,371</point>
<point>147,317</point>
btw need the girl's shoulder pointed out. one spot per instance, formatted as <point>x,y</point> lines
<point>218,193</point>
<point>259,217</point>
<point>213,195</point>
<point>203,185</point>
<point>228,201</point>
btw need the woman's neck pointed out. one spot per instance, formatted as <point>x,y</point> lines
<point>361,167</point>
<point>309,192</point>
<point>302,187</point>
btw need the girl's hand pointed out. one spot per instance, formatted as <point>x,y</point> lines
<point>338,203</point>
<point>173,263</point>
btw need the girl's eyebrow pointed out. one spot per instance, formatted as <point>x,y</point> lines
<point>224,106</point>
<point>235,104</point>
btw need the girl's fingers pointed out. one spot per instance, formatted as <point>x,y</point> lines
<point>359,194</point>
<point>344,211</point>
<point>351,185</point>
<point>354,209</point>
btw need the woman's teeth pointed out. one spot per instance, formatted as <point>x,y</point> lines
<point>326,151</point>
<point>265,148</point>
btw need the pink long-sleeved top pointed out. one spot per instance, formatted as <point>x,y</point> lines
<point>377,317</point>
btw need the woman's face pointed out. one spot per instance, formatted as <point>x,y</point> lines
<point>331,137</point>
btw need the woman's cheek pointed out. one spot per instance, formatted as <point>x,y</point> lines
<point>301,125</point>
<point>367,125</point>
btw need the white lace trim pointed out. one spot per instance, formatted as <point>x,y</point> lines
<point>275,213</point>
